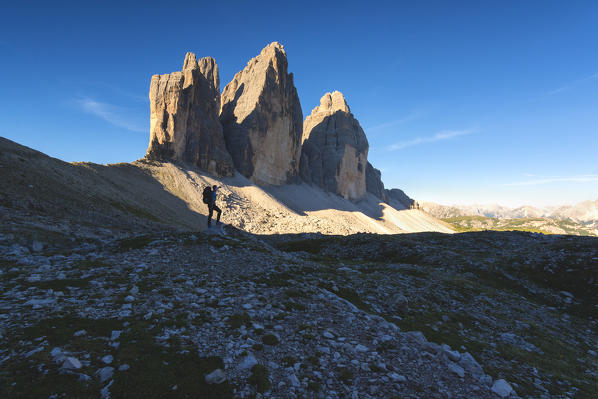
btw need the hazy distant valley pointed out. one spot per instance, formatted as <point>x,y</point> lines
<point>578,219</point>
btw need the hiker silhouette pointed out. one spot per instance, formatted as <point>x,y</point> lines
<point>212,206</point>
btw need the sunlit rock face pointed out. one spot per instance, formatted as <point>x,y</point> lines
<point>184,124</point>
<point>335,148</point>
<point>262,119</point>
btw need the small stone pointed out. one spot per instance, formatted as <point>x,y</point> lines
<point>273,365</point>
<point>328,335</point>
<point>247,306</point>
<point>361,348</point>
<point>456,369</point>
<point>452,355</point>
<point>294,380</point>
<point>115,335</point>
<point>105,373</point>
<point>107,359</point>
<point>33,278</point>
<point>37,246</point>
<point>129,298</point>
<point>71,363</point>
<point>397,378</point>
<point>248,362</point>
<point>215,377</point>
<point>79,333</point>
<point>124,367</point>
<point>502,388</point>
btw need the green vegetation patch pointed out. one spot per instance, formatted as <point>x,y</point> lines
<point>138,242</point>
<point>60,285</point>
<point>259,378</point>
<point>157,371</point>
<point>238,319</point>
<point>270,339</point>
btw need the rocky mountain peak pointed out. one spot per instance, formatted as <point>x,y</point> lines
<point>331,103</point>
<point>274,46</point>
<point>190,61</point>
<point>262,119</point>
<point>335,148</point>
<point>184,123</point>
<point>209,69</point>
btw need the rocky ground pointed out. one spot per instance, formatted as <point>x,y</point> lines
<point>206,314</point>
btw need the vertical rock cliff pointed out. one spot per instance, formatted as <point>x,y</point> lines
<point>335,149</point>
<point>262,119</point>
<point>184,122</point>
<point>373,183</point>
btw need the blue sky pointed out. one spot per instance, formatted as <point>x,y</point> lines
<point>462,101</point>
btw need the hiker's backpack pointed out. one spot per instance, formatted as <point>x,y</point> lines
<point>207,195</point>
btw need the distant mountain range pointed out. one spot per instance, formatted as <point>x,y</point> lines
<point>582,216</point>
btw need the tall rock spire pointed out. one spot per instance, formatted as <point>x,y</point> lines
<point>335,149</point>
<point>184,123</point>
<point>262,119</point>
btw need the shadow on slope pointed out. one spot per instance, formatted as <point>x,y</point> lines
<point>145,196</point>
<point>304,198</point>
<point>120,196</point>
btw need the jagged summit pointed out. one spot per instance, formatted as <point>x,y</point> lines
<point>184,123</point>
<point>190,61</point>
<point>335,148</point>
<point>256,126</point>
<point>262,118</point>
<point>331,103</point>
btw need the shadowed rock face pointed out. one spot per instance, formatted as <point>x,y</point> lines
<point>373,182</point>
<point>262,119</point>
<point>184,123</point>
<point>335,149</point>
<point>396,198</point>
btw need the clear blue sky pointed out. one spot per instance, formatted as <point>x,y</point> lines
<point>462,101</point>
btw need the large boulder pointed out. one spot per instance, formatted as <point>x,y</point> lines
<point>184,124</point>
<point>262,119</point>
<point>335,149</point>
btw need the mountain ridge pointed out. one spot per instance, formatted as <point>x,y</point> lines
<point>148,195</point>
<point>582,218</point>
<point>260,129</point>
